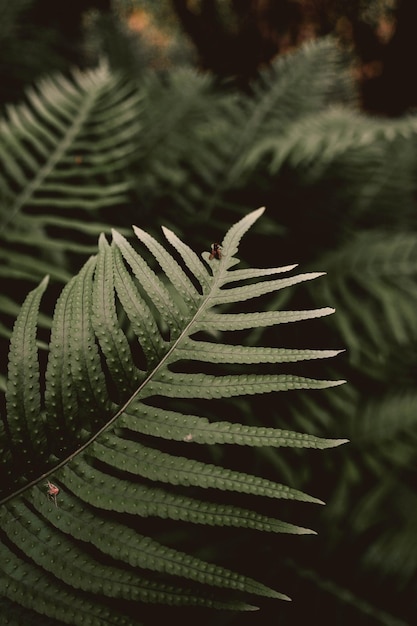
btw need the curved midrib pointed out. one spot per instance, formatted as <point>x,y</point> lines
<point>62,147</point>
<point>214,289</point>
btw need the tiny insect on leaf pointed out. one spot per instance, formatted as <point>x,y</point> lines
<point>216,251</point>
<point>52,492</point>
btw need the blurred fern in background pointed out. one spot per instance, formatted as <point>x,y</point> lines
<point>127,143</point>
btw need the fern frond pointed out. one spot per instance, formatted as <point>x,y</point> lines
<point>30,587</point>
<point>50,552</point>
<point>60,171</point>
<point>173,385</point>
<point>219,352</point>
<point>61,400</point>
<point>186,109</point>
<point>192,428</point>
<point>277,102</point>
<point>111,338</point>
<point>86,370</point>
<point>108,492</point>
<point>243,321</point>
<point>121,542</point>
<point>380,421</point>
<point>327,137</point>
<point>55,121</point>
<point>99,387</point>
<point>382,265</point>
<point>23,397</point>
<point>177,470</point>
<point>138,313</point>
<point>18,615</point>
<point>152,284</point>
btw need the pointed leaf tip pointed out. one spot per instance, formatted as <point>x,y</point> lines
<point>336,383</point>
<point>279,596</point>
<point>166,230</point>
<point>233,236</point>
<point>339,442</point>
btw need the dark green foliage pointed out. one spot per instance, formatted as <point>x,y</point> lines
<point>84,436</point>
<point>340,191</point>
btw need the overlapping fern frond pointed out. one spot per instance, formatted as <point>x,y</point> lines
<point>64,156</point>
<point>278,100</point>
<point>225,124</point>
<point>373,277</point>
<point>359,167</point>
<point>91,431</point>
<point>353,171</point>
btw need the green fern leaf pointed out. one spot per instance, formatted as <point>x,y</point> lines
<point>176,470</point>
<point>30,587</point>
<point>276,103</point>
<point>152,285</point>
<point>86,370</point>
<point>56,117</point>
<point>106,491</point>
<point>379,255</point>
<point>111,338</point>
<point>137,550</point>
<point>99,387</point>
<point>50,552</point>
<point>23,399</point>
<point>175,274</point>
<point>173,385</point>
<point>17,615</point>
<point>226,353</point>
<point>138,312</point>
<point>64,159</point>
<point>243,321</point>
<point>61,400</point>
<point>192,428</point>
<point>190,259</point>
